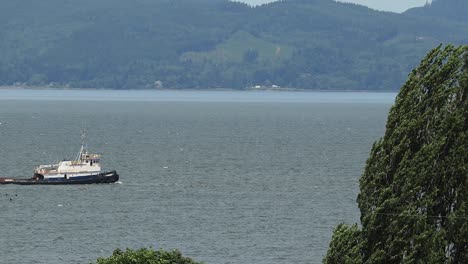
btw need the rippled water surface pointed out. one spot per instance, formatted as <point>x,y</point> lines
<point>226,177</point>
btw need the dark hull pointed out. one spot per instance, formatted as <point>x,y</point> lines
<point>105,177</point>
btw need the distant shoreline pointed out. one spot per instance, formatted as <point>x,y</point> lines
<point>12,87</point>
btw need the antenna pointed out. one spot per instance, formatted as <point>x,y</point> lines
<point>84,144</point>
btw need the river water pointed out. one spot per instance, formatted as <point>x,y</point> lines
<point>226,177</point>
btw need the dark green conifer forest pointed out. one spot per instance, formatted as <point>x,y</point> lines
<point>195,44</point>
<point>414,190</point>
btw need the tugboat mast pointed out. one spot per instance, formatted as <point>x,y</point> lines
<point>84,144</point>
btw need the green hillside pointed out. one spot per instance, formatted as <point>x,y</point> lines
<point>309,44</point>
<point>455,10</point>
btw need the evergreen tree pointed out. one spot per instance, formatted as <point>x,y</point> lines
<point>414,190</point>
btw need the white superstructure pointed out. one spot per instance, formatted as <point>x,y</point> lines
<point>85,164</point>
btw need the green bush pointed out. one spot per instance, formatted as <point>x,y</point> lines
<point>146,256</point>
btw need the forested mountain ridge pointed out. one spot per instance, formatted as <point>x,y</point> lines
<point>455,10</point>
<point>309,44</point>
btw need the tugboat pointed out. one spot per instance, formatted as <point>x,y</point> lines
<point>85,169</point>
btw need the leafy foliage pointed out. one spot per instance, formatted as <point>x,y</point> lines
<point>414,190</point>
<point>345,247</point>
<point>146,256</point>
<point>310,44</point>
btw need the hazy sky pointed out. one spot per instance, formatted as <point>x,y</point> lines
<point>387,5</point>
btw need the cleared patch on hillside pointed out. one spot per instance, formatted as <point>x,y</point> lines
<point>242,47</point>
